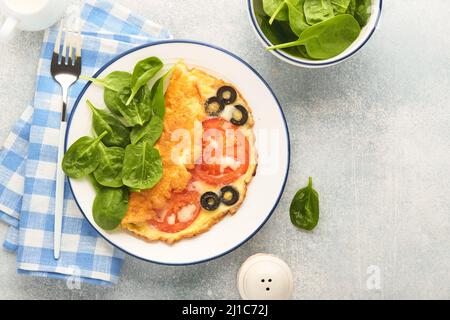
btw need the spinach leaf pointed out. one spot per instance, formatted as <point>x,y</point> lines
<point>157,96</point>
<point>113,101</point>
<point>118,134</point>
<point>318,10</point>
<point>340,6</point>
<point>142,73</point>
<point>138,112</point>
<point>351,7</point>
<point>150,132</point>
<point>142,167</point>
<point>327,39</point>
<point>297,20</point>
<point>115,81</point>
<point>110,207</point>
<point>363,11</point>
<point>275,9</point>
<point>304,210</point>
<point>278,33</point>
<point>82,158</point>
<point>97,186</point>
<point>109,170</point>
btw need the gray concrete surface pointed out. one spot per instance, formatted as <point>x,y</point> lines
<point>374,132</point>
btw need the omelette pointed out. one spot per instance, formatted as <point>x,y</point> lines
<point>209,158</point>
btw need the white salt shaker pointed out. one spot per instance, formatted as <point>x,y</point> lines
<point>265,277</point>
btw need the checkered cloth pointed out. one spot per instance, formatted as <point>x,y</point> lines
<point>29,155</point>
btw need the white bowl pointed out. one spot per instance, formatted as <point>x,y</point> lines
<point>365,35</point>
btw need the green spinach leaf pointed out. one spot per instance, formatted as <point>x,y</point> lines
<point>304,210</point>
<point>363,11</point>
<point>113,101</point>
<point>318,10</point>
<point>279,33</point>
<point>109,170</point>
<point>150,132</point>
<point>82,158</point>
<point>142,167</point>
<point>351,7</point>
<point>97,186</point>
<point>110,207</point>
<point>327,39</point>
<point>118,134</point>
<point>275,9</point>
<point>115,81</point>
<point>138,112</point>
<point>297,20</point>
<point>340,6</point>
<point>142,73</point>
<point>157,96</point>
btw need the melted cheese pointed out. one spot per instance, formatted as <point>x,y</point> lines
<point>186,213</point>
<point>171,219</point>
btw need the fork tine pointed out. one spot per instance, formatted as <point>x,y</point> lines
<point>70,35</point>
<point>58,38</point>
<point>64,51</point>
<point>79,44</point>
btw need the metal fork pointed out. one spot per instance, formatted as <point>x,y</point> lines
<point>65,69</point>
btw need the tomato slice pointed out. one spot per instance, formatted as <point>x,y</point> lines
<point>225,153</point>
<point>183,209</point>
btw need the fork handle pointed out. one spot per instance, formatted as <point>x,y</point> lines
<point>59,196</point>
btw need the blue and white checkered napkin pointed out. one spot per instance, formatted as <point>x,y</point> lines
<point>29,155</point>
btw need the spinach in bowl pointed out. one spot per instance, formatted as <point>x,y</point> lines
<point>312,29</point>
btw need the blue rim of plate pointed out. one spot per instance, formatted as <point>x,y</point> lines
<point>236,58</point>
<point>298,62</point>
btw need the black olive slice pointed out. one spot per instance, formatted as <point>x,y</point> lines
<point>227,94</point>
<point>239,121</point>
<point>210,201</point>
<point>229,195</point>
<point>214,106</point>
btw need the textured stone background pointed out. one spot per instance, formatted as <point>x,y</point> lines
<point>374,132</point>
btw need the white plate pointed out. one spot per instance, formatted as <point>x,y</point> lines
<point>272,142</point>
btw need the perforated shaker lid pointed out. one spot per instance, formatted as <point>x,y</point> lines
<point>265,277</point>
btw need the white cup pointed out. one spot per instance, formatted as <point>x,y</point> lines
<point>30,15</point>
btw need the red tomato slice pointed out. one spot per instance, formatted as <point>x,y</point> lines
<point>225,153</point>
<point>182,211</point>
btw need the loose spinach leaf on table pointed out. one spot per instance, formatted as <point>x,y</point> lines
<point>318,10</point>
<point>150,132</point>
<point>142,167</point>
<point>304,210</point>
<point>114,81</point>
<point>109,170</point>
<point>82,158</point>
<point>276,10</point>
<point>118,134</point>
<point>142,73</point>
<point>110,207</point>
<point>340,6</point>
<point>327,39</point>
<point>362,11</point>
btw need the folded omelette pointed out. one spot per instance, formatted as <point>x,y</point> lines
<point>209,158</point>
